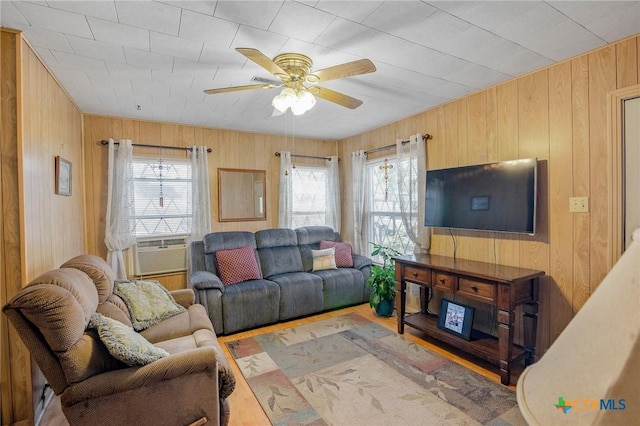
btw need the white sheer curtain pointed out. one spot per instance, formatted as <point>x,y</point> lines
<point>285,199</point>
<point>359,163</point>
<point>332,194</point>
<point>120,225</point>
<point>411,163</point>
<point>200,201</point>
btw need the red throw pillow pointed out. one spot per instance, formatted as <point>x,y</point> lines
<point>344,252</point>
<point>237,265</point>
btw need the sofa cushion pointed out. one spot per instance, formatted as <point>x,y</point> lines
<point>278,251</point>
<point>124,343</point>
<point>250,304</point>
<point>98,270</point>
<point>224,241</point>
<point>300,294</point>
<point>315,234</point>
<point>344,252</point>
<point>148,302</point>
<point>324,259</point>
<point>237,265</point>
<point>185,323</point>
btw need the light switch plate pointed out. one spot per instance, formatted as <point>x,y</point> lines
<point>579,204</point>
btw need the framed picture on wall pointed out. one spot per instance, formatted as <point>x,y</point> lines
<point>63,176</point>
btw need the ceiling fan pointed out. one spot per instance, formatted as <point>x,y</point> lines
<point>299,82</point>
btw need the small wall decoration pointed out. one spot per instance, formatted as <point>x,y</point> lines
<point>456,318</point>
<point>63,176</point>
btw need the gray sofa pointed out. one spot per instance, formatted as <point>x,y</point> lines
<point>289,288</point>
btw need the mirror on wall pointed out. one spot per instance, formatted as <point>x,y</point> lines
<point>241,195</point>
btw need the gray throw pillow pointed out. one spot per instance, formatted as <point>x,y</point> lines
<point>124,343</point>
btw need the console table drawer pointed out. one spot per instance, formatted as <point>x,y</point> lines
<point>483,292</point>
<point>444,282</point>
<point>417,274</point>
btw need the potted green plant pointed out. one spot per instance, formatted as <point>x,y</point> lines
<point>383,281</point>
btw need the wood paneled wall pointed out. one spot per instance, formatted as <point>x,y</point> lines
<point>40,230</point>
<point>559,115</point>
<point>230,149</point>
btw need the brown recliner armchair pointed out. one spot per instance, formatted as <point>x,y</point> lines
<point>51,315</point>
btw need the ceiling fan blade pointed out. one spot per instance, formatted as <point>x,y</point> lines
<point>362,66</point>
<point>337,97</point>
<point>238,88</point>
<point>261,59</point>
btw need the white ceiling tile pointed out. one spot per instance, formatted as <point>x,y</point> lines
<point>506,57</point>
<point>205,7</point>
<point>81,63</point>
<point>519,32</point>
<point>185,67</point>
<point>207,29</point>
<point>174,46</point>
<point>344,35</point>
<point>159,17</point>
<point>47,18</point>
<point>596,10</point>
<point>144,59</point>
<point>616,25</point>
<point>47,39</point>
<point>112,82</point>
<point>258,14</point>
<point>356,11</point>
<point>113,32</point>
<point>391,16</point>
<point>119,70</point>
<point>214,56</point>
<point>142,85</point>
<point>96,49</point>
<point>258,39</point>
<point>300,21</point>
<point>435,31</point>
<point>487,14</point>
<point>96,8</point>
<point>11,16</point>
<point>575,38</point>
<point>474,75</point>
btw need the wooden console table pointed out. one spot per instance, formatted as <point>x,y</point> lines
<point>502,286</point>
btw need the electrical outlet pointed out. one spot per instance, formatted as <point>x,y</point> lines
<point>579,204</point>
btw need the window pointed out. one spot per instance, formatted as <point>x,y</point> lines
<point>162,191</point>
<point>309,190</point>
<point>384,220</point>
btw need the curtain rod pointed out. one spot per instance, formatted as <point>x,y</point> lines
<point>181,148</point>
<point>425,138</point>
<point>307,156</point>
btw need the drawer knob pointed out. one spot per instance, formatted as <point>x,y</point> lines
<point>442,280</point>
<point>415,274</point>
<point>474,288</point>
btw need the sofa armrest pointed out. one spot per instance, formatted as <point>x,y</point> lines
<point>360,261</point>
<point>192,362</point>
<point>202,280</point>
<point>184,297</point>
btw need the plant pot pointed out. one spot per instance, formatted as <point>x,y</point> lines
<point>385,307</point>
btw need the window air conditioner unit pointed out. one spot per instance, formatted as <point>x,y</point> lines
<point>152,256</point>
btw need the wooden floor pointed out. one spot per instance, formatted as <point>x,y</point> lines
<point>252,414</point>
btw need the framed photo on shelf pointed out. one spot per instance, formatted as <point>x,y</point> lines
<point>456,318</point>
<point>63,176</point>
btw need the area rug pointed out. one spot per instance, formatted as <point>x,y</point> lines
<point>347,370</point>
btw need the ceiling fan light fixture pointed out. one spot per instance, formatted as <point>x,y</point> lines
<point>299,101</point>
<point>284,100</point>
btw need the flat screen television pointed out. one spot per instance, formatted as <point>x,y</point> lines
<point>499,196</point>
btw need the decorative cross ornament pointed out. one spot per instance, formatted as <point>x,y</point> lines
<point>386,169</point>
